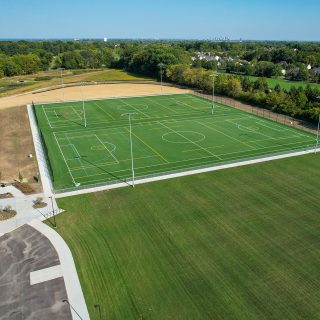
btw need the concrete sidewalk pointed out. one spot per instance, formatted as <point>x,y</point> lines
<point>23,204</point>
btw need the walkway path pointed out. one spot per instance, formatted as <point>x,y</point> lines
<point>23,204</point>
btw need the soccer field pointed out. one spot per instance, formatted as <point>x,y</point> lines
<point>169,133</point>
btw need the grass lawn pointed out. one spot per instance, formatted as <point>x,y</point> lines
<point>242,243</point>
<point>114,75</point>
<point>170,133</point>
<point>51,78</point>
<point>285,84</point>
<point>7,85</point>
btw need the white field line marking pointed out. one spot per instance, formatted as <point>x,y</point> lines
<point>213,147</point>
<point>261,148</point>
<point>198,108</point>
<point>76,112</point>
<point>253,132</point>
<point>163,106</point>
<point>181,135</point>
<point>186,104</point>
<point>225,134</point>
<point>190,116</point>
<point>188,166</point>
<point>138,111</point>
<point>77,153</point>
<point>114,98</point>
<point>151,123</point>
<point>106,164</point>
<point>64,159</point>
<point>264,125</point>
<point>105,112</point>
<point>253,141</point>
<point>283,138</point>
<point>149,147</point>
<point>46,117</point>
<point>112,155</point>
<point>282,129</point>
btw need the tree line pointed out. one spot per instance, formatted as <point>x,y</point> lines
<point>298,102</point>
<point>176,60</point>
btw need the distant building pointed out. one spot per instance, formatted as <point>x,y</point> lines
<point>316,70</point>
<point>205,56</point>
<point>105,39</point>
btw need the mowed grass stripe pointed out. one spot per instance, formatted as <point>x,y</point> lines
<point>242,243</point>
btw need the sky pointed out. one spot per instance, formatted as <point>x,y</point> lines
<point>162,19</point>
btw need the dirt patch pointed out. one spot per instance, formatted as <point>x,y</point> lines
<point>5,215</point>
<point>89,92</point>
<point>6,195</point>
<point>15,145</point>
<point>39,205</point>
<point>24,187</point>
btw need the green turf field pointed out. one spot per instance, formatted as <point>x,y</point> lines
<point>169,133</point>
<point>241,243</point>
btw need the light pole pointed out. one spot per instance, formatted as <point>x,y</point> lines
<point>97,306</point>
<point>62,83</point>
<point>318,132</point>
<point>54,217</point>
<point>129,114</point>
<point>161,65</point>
<point>66,301</point>
<point>213,78</point>
<point>83,108</point>
<point>317,144</point>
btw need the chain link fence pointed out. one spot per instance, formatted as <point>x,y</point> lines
<point>261,112</point>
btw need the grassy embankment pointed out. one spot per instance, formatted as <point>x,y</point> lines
<point>235,244</point>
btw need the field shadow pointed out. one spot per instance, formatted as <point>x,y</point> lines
<point>72,121</point>
<point>105,171</point>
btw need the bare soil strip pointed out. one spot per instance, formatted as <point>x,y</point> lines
<point>89,92</point>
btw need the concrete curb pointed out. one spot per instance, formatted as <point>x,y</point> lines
<point>41,157</point>
<point>72,283</point>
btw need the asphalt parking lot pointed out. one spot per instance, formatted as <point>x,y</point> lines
<point>23,252</point>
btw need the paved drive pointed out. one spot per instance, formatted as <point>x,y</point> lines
<point>22,252</point>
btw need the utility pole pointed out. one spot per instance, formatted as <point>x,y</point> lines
<point>318,131</point>
<point>130,114</point>
<point>318,135</point>
<point>66,301</point>
<point>83,108</point>
<point>161,65</point>
<point>62,83</point>
<point>213,78</point>
<point>54,217</point>
<point>97,306</point>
